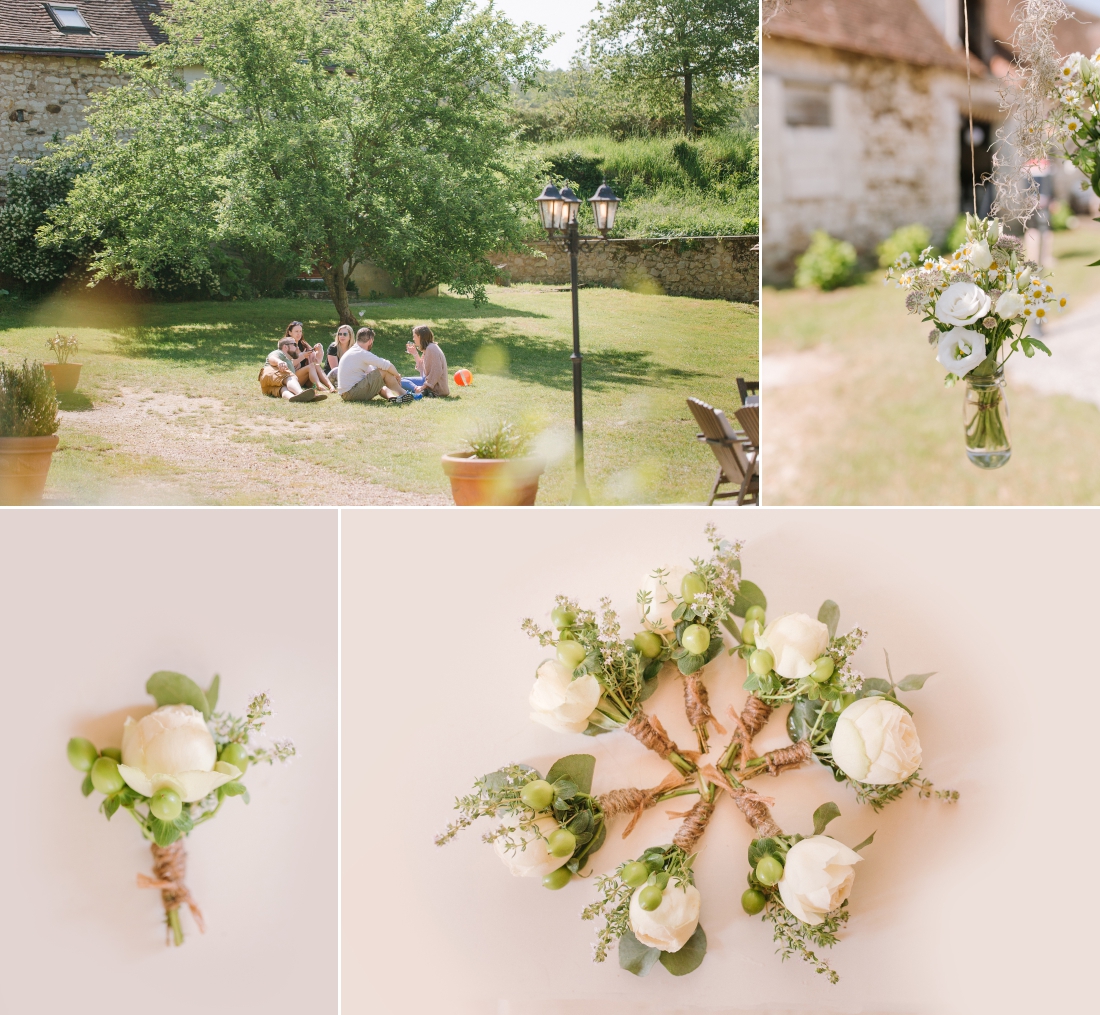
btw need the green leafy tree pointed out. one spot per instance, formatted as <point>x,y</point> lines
<point>687,42</point>
<point>368,129</point>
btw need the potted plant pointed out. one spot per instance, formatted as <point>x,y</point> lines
<point>28,432</point>
<point>496,469</point>
<point>65,375</point>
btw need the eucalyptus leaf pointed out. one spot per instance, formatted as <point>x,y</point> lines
<point>801,718</point>
<point>866,842</point>
<point>915,681</point>
<point>748,595</point>
<point>212,692</point>
<point>234,788</point>
<point>636,957</point>
<point>689,663</point>
<point>170,688</point>
<point>730,626</point>
<point>577,768</point>
<point>823,815</point>
<point>581,822</point>
<point>592,730</point>
<point>593,844</point>
<point>829,615</point>
<point>875,685</point>
<point>690,957</point>
<point>715,646</point>
<point>649,685</point>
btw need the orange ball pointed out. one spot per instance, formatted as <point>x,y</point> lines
<point>463,377</point>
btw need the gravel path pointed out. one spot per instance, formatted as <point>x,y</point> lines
<point>1074,367</point>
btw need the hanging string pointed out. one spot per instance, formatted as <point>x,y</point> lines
<point>970,107</point>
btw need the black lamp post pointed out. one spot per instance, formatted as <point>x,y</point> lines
<point>558,212</point>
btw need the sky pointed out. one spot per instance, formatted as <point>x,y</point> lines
<point>564,16</point>
<point>1087,5</point>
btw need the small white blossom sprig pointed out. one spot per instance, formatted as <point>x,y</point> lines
<point>1076,115</point>
<point>979,298</point>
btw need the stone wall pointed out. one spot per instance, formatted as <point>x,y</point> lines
<point>710,267</point>
<point>52,92</point>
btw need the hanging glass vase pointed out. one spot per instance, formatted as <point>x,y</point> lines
<point>985,414</point>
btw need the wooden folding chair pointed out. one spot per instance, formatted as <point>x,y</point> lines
<point>736,455</point>
<point>749,391</point>
<point>749,418</point>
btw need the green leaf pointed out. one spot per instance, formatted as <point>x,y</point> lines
<point>110,805</point>
<point>164,832</point>
<point>914,682</point>
<point>730,626</point>
<point>636,957</point>
<point>577,768</point>
<point>748,595</point>
<point>245,797</point>
<point>581,822</point>
<point>866,842</point>
<point>760,848</point>
<point>688,958</point>
<point>184,822</point>
<point>649,685</point>
<point>801,718</point>
<point>234,788</point>
<point>823,815</point>
<point>678,613</point>
<point>212,692</point>
<point>689,663</point>
<point>829,615</point>
<point>592,845</point>
<point>86,786</point>
<point>170,688</point>
<point>875,685</point>
<point>1093,264</point>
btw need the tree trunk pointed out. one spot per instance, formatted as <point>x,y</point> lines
<point>338,292</point>
<point>689,115</point>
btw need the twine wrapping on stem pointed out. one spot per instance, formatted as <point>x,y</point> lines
<point>697,703</point>
<point>692,827</point>
<point>624,801</point>
<point>169,872</point>
<point>781,759</point>
<point>648,731</point>
<point>755,715</point>
<point>752,805</point>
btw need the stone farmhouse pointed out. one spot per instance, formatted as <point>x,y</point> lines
<point>865,116</point>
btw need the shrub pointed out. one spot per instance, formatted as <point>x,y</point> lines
<point>1061,216</point>
<point>911,239</point>
<point>826,264</point>
<point>28,402</point>
<point>505,440</point>
<point>957,235</point>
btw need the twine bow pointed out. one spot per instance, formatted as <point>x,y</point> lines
<point>169,872</point>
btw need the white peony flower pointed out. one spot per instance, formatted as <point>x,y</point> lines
<point>664,597</point>
<point>875,741</point>
<point>961,304</point>
<point>559,701</point>
<point>173,748</point>
<point>530,857</point>
<point>669,926</point>
<point>795,642</point>
<point>979,255</point>
<point>1010,305</point>
<point>961,350</point>
<point>817,877</point>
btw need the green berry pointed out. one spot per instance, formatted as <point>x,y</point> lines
<point>166,804</point>
<point>755,613</point>
<point>761,662</point>
<point>82,754</point>
<point>752,901</point>
<point>648,643</point>
<point>112,752</point>
<point>561,842</point>
<point>768,870</point>
<point>823,669</point>
<point>106,777</point>
<point>235,754</point>
<point>749,632</point>
<point>692,586</point>
<point>557,879</point>
<point>571,654</point>
<point>537,795</point>
<point>649,898</point>
<point>635,874</point>
<point>696,639</point>
<point>562,618</point>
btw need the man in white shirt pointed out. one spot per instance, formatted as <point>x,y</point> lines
<point>361,375</point>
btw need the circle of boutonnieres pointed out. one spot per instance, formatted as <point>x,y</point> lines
<point>551,826</point>
<point>174,770</point>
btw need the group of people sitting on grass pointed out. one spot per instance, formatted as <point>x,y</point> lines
<point>300,372</point>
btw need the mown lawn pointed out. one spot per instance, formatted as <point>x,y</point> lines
<point>169,409</point>
<point>855,411</point>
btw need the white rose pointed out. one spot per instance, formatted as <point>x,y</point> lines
<point>172,748</point>
<point>795,642</point>
<point>875,741</point>
<point>664,597</point>
<point>817,877</point>
<point>961,304</point>
<point>530,856</point>
<point>1010,305</point>
<point>961,350</point>
<point>979,255</point>
<point>559,701</point>
<point>669,926</point>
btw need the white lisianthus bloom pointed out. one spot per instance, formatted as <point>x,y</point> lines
<point>172,748</point>
<point>876,742</point>
<point>669,926</point>
<point>664,597</point>
<point>962,303</point>
<point>559,701</point>
<point>795,641</point>
<point>1023,278</point>
<point>530,856</point>
<point>961,350</point>
<point>979,255</point>
<point>1010,305</point>
<point>817,877</point>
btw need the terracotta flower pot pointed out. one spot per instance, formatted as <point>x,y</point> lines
<point>65,376</point>
<point>512,481</point>
<point>24,462</point>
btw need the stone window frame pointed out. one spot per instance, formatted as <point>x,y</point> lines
<point>826,87</point>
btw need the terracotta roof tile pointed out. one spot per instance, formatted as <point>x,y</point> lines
<point>117,26</point>
<point>1081,35</point>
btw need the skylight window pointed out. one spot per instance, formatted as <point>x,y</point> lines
<point>68,18</point>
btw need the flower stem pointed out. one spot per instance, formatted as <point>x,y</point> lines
<point>177,928</point>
